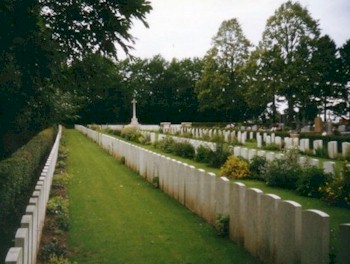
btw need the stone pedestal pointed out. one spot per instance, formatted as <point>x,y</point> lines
<point>318,125</point>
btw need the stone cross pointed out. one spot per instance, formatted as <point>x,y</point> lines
<point>134,108</point>
<point>134,121</point>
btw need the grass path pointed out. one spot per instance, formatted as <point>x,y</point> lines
<point>337,215</point>
<point>117,217</point>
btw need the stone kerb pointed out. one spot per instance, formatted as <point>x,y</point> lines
<point>163,173</point>
<point>315,237</point>
<point>343,256</point>
<point>345,148</point>
<point>198,179</point>
<point>314,162</point>
<point>222,196</point>
<point>200,197</point>
<point>142,162</point>
<point>14,256</point>
<point>38,195</point>
<point>288,142</point>
<point>180,183</point>
<point>259,140</point>
<point>278,141</point>
<point>261,153</point>
<point>252,220</point>
<point>237,151</point>
<point>237,212</point>
<point>26,222</point>
<point>251,154</point>
<point>30,210</point>
<point>317,144</point>
<point>209,208</point>
<point>35,203</point>
<point>21,241</point>
<point>288,232</point>
<point>270,156</point>
<point>332,149</point>
<point>244,153</point>
<point>174,179</point>
<point>268,227</point>
<point>190,188</point>
<point>268,140</point>
<point>184,183</point>
<point>329,167</point>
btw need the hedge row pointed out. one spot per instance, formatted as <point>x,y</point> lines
<point>18,175</point>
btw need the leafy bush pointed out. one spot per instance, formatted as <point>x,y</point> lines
<point>272,146</point>
<point>166,145</point>
<point>130,133</point>
<point>337,189</point>
<point>59,206</point>
<point>235,168</point>
<point>144,139</point>
<point>218,138</point>
<point>311,180</point>
<point>222,225</point>
<point>155,182</point>
<point>53,259</point>
<point>218,157</point>
<point>203,154</point>
<point>52,248</point>
<point>284,172</point>
<point>184,149</point>
<point>187,135</point>
<point>257,168</point>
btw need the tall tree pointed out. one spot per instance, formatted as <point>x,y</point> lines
<point>327,75</point>
<point>289,37</point>
<point>261,82</point>
<point>95,85</point>
<point>36,39</point>
<point>344,107</point>
<point>220,86</point>
<point>82,27</point>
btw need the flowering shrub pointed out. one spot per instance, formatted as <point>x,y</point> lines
<point>337,190</point>
<point>130,133</point>
<point>284,172</point>
<point>311,180</point>
<point>203,154</point>
<point>257,168</point>
<point>235,168</point>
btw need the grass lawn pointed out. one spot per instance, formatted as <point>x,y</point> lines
<point>337,215</point>
<point>118,217</point>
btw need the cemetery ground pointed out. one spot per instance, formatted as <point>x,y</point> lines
<point>118,217</point>
<point>337,215</point>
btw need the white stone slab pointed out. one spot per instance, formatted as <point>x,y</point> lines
<point>315,237</point>
<point>288,232</point>
<point>268,227</point>
<point>252,224</point>
<point>237,212</point>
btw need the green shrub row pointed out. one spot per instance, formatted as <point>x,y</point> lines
<point>53,247</point>
<point>18,175</point>
<point>204,154</point>
<point>287,173</point>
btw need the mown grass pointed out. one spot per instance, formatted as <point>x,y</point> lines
<point>117,217</point>
<point>337,215</point>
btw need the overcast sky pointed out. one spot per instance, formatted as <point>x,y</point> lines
<point>184,28</point>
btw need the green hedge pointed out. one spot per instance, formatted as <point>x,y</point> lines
<point>18,175</point>
<point>326,139</point>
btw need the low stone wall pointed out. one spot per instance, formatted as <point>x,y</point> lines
<point>27,238</point>
<point>271,229</point>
